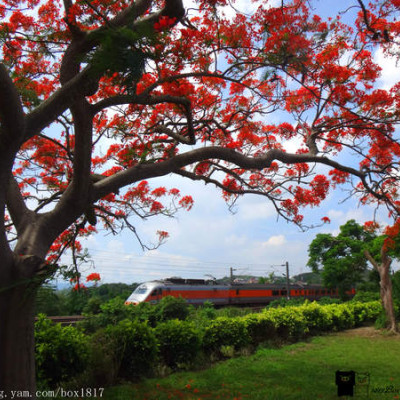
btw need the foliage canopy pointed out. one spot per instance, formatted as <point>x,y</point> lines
<point>99,97</point>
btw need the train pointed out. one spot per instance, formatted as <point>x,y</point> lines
<point>199,291</point>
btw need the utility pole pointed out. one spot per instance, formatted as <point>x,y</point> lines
<point>287,278</point>
<point>287,281</point>
<point>231,274</point>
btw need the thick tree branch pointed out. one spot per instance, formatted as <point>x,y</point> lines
<point>12,118</point>
<point>81,182</point>
<point>366,20</point>
<point>146,171</point>
<point>141,99</point>
<point>371,259</point>
<point>75,83</point>
<point>132,12</point>
<point>16,206</point>
<point>50,109</point>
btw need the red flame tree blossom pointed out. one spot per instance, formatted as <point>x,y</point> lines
<point>97,98</point>
<point>93,277</point>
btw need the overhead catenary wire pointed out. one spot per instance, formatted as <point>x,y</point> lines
<point>117,262</point>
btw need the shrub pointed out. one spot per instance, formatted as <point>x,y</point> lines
<point>202,315</point>
<point>133,347</point>
<point>260,327</point>
<point>179,342</point>
<point>373,309</point>
<point>225,332</point>
<point>93,305</point>
<point>145,312</point>
<point>359,311</point>
<point>103,365</point>
<point>115,310</point>
<point>342,316</point>
<point>232,312</point>
<point>61,352</point>
<point>172,308</point>
<point>317,318</point>
<point>111,312</point>
<point>323,301</point>
<point>284,302</point>
<point>289,322</point>
<point>365,297</point>
<point>382,321</point>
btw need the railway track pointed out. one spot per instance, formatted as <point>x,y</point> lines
<point>67,320</point>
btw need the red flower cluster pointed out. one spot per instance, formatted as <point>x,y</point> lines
<point>93,277</point>
<point>164,23</point>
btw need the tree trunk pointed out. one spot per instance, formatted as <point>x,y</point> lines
<point>383,268</point>
<point>17,350</point>
<point>386,296</point>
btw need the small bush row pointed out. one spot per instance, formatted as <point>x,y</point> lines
<point>114,311</point>
<point>131,348</point>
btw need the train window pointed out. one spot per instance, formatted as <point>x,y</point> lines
<point>283,292</point>
<point>142,289</point>
<point>275,293</point>
<point>156,292</point>
<point>237,292</point>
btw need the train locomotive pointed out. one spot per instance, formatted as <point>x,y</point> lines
<point>199,291</point>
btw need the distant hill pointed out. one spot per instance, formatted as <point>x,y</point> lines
<point>308,277</point>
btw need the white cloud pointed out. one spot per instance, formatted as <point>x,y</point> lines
<point>390,69</point>
<point>278,240</point>
<point>251,209</point>
<point>342,215</point>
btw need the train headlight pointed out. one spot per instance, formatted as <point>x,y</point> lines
<point>135,303</point>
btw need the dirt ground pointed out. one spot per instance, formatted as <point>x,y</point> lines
<point>370,331</point>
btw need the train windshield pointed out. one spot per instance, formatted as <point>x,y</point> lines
<point>142,289</point>
<point>139,294</point>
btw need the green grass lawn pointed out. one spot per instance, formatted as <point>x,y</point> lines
<point>303,370</point>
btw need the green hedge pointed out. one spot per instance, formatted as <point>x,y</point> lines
<point>260,327</point>
<point>130,349</point>
<point>225,331</point>
<point>317,318</point>
<point>134,347</point>
<point>289,322</point>
<point>61,352</point>
<point>179,342</point>
<point>115,310</point>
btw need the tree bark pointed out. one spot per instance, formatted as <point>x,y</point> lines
<point>383,268</point>
<point>386,295</point>
<point>17,303</point>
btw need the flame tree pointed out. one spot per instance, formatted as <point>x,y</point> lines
<point>98,97</point>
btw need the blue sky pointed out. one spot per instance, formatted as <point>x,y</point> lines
<point>209,240</point>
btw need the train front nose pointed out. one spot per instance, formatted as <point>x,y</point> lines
<point>135,303</point>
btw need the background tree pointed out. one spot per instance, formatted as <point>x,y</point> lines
<point>98,97</point>
<point>340,259</point>
<point>381,253</point>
